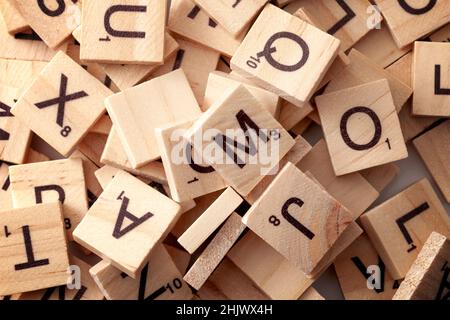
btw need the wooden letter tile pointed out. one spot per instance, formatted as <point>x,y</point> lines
<point>216,250</point>
<point>303,55</point>
<point>106,229</point>
<point>187,180</point>
<point>361,127</point>
<point>33,249</point>
<point>233,15</point>
<point>434,148</point>
<point>60,180</point>
<point>14,136</point>
<point>399,227</point>
<point>119,31</point>
<point>351,269</point>
<point>62,103</point>
<point>294,215</point>
<point>431,81</point>
<point>238,113</point>
<point>13,19</point>
<point>428,278</point>
<point>159,280</point>
<point>5,188</point>
<point>409,20</point>
<point>53,23</point>
<point>276,277</point>
<point>137,111</point>
<point>210,220</point>
<point>189,21</point>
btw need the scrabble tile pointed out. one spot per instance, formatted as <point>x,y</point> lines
<point>219,82</point>
<point>159,97</point>
<point>210,220</point>
<point>158,280</point>
<point>308,237</point>
<point>298,152</point>
<point>187,179</point>
<point>53,24</point>
<point>5,188</point>
<point>276,276</point>
<point>11,16</point>
<point>216,250</point>
<point>62,103</point>
<point>59,180</point>
<point>33,249</point>
<point>346,20</point>
<point>128,75</point>
<point>238,109</point>
<point>137,39</point>
<point>233,15</point>
<point>189,217</point>
<point>352,272</point>
<point>114,155</point>
<point>428,278</point>
<point>93,187</point>
<point>14,136</point>
<point>105,174</point>
<point>189,21</point>
<point>87,290</point>
<point>431,85</point>
<point>399,227</point>
<point>380,47</point>
<point>313,49</point>
<point>409,22</point>
<point>105,230</point>
<point>19,73</point>
<point>362,70</point>
<point>24,46</point>
<point>361,127</point>
<point>196,60</point>
<point>353,191</point>
<point>434,148</point>
<point>227,282</point>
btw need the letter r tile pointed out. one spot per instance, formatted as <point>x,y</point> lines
<point>126,222</point>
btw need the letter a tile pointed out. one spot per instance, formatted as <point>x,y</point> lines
<point>361,127</point>
<point>298,218</point>
<point>286,55</point>
<point>60,180</point>
<point>126,222</point>
<point>33,249</point>
<point>62,103</point>
<point>118,31</point>
<point>240,139</point>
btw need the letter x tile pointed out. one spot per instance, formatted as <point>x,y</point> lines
<point>62,103</point>
<point>126,222</point>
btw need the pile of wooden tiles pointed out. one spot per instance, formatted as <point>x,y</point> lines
<point>123,177</point>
